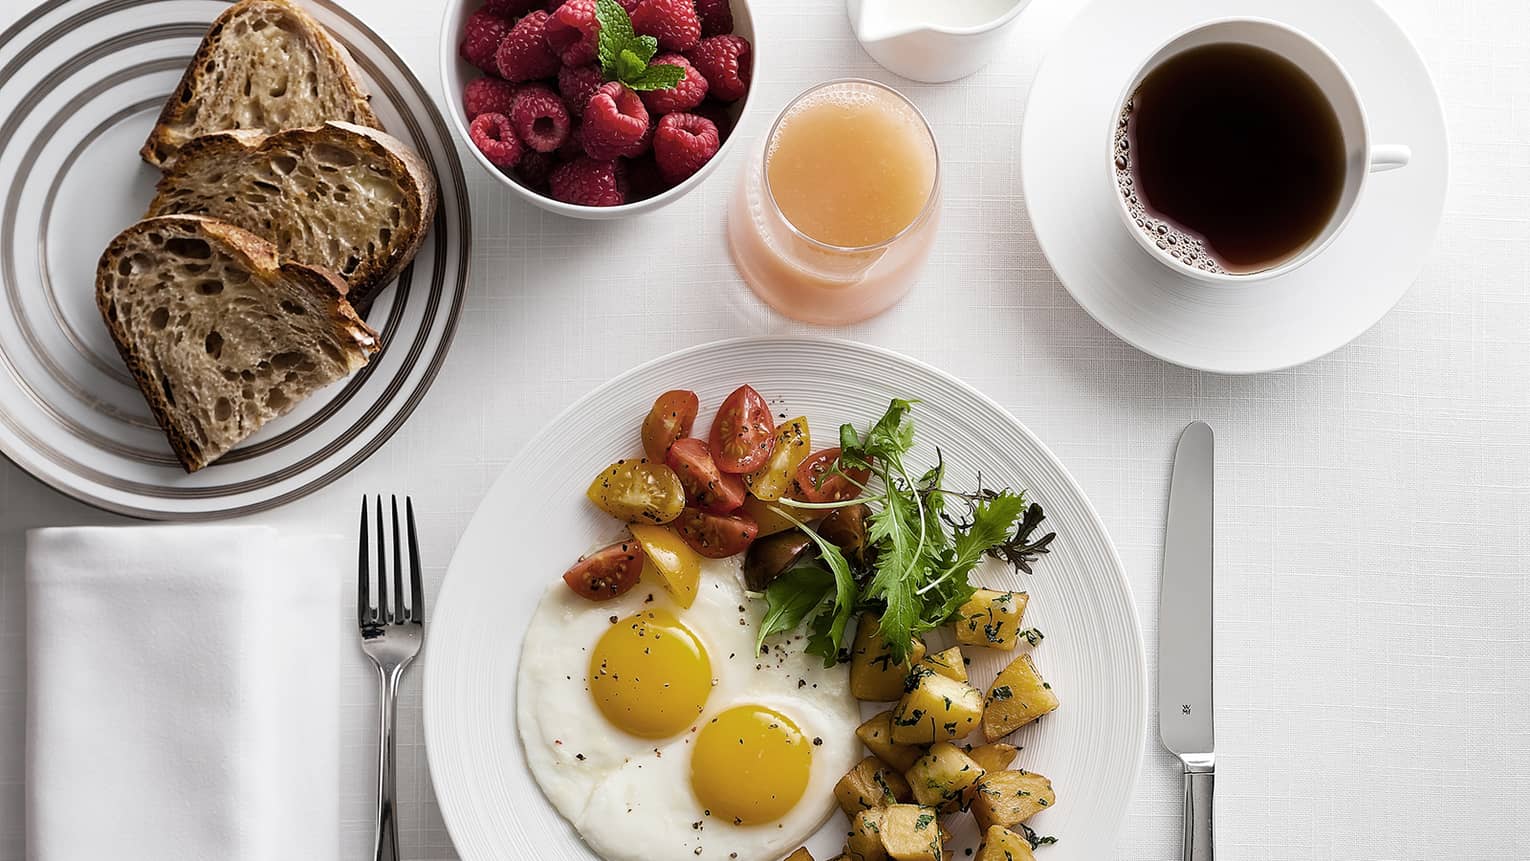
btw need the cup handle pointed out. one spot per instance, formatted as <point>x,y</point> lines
<point>1389,157</point>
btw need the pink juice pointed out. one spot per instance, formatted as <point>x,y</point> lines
<point>833,222</point>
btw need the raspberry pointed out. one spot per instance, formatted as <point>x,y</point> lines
<point>494,137</point>
<point>572,30</point>
<point>481,36</point>
<point>672,22</point>
<point>682,144</point>
<point>539,118</point>
<point>628,5</point>
<point>576,84</point>
<point>725,62</point>
<point>574,146</point>
<point>615,123</point>
<point>535,168</point>
<point>720,113</point>
<point>683,96</point>
<point>488,96</point>
<point>587,182</point>
<point>716,17</point>
<point>524,54</point>
<point>642,177</point>
<point>511,8</point>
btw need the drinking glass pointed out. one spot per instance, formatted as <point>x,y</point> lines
<point>820,282</point>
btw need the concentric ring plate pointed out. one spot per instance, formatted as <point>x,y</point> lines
<point>81,82</point>
<point>535,521</point>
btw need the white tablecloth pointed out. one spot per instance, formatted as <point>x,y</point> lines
<point>1373,627</point>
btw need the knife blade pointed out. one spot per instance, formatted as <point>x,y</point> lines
<point>1185,715</point>
<point>1184,606</point>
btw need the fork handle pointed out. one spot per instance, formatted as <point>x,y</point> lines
<point>386,847</point>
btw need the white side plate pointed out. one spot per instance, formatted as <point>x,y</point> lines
<point>81,83</point>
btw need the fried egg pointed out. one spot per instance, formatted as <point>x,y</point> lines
<point>658,733</point>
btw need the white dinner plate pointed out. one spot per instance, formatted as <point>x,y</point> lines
<point>1265,325</point>
<point>81,82</point>
<point>535,521</point>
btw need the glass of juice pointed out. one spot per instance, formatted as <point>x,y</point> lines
<point>838,213</point>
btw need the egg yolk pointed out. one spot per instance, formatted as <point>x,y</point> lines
<point>649,675</point>
<point>750,765</point>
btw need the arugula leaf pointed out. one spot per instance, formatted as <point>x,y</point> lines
<point>790,598</point>
<point>624,55</point>
<point>993,519</point>
<point>827,647</point>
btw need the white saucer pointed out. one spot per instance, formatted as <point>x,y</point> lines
<point>1268,325</point>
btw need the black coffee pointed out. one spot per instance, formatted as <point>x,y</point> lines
<point>1231,156</point>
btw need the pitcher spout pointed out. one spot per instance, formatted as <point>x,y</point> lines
<point>871,23</point>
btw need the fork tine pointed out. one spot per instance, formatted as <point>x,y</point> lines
<point>399,613</point>
<point>382,567</point>
<point>363,581</point>
<point>416,591</point>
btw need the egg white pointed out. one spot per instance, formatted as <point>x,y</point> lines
<point>631,798</point>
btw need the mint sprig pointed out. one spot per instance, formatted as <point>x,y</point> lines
<point>624,55</point>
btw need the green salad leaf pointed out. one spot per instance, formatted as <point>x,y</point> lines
<point>922,558</point>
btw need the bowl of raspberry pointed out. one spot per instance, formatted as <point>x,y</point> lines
<point>597,108</point>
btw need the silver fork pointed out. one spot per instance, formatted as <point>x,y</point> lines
<point>391,635</point>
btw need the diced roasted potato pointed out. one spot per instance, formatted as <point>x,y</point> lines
<point>1007,798</point>
<point>1018,696</point>
<point>873,674</point>
<point>991,619</point>
<point>945,778</point>
<point>935,708</point>
<point>800,855</point>
<point>911,832</point>
<point>872,783</point>
<point>876,734</point>
<point>1001,844</point>
<point>949,663</point>
<point>865,840</point>
<point>993,757</point>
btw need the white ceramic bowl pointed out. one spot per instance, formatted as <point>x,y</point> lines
<point>457,72</point>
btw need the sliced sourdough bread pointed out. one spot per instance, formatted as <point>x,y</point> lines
<point>263,65</point>
<point>221,334</point>
<point>346,198</point>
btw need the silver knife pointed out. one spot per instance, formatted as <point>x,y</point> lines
<point>1184,633</point>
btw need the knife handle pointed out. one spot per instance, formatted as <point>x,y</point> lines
<point>1200,778</point>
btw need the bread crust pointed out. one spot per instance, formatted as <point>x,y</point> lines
<point>161,147</point>
<point>419,187</point>
<point>259,257</point>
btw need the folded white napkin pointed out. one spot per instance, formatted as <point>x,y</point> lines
<point>183,693</point>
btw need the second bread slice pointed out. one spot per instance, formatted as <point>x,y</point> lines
<point>353,200</point>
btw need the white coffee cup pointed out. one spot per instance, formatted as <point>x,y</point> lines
<point>1362,158</point>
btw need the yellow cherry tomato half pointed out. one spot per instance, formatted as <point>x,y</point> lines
<point>793,444</point>
<point>638,492</point>
<point>678,566</point>
<point>763,513</point>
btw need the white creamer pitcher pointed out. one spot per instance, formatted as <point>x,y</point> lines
<point>933,40</point>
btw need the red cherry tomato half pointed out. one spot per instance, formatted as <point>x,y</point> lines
<point>716,536</point>
<point>815,482</point>
<point>670,419</point>
<point>743,434</point>
<point>608,572</point>
<point>706,487</point>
